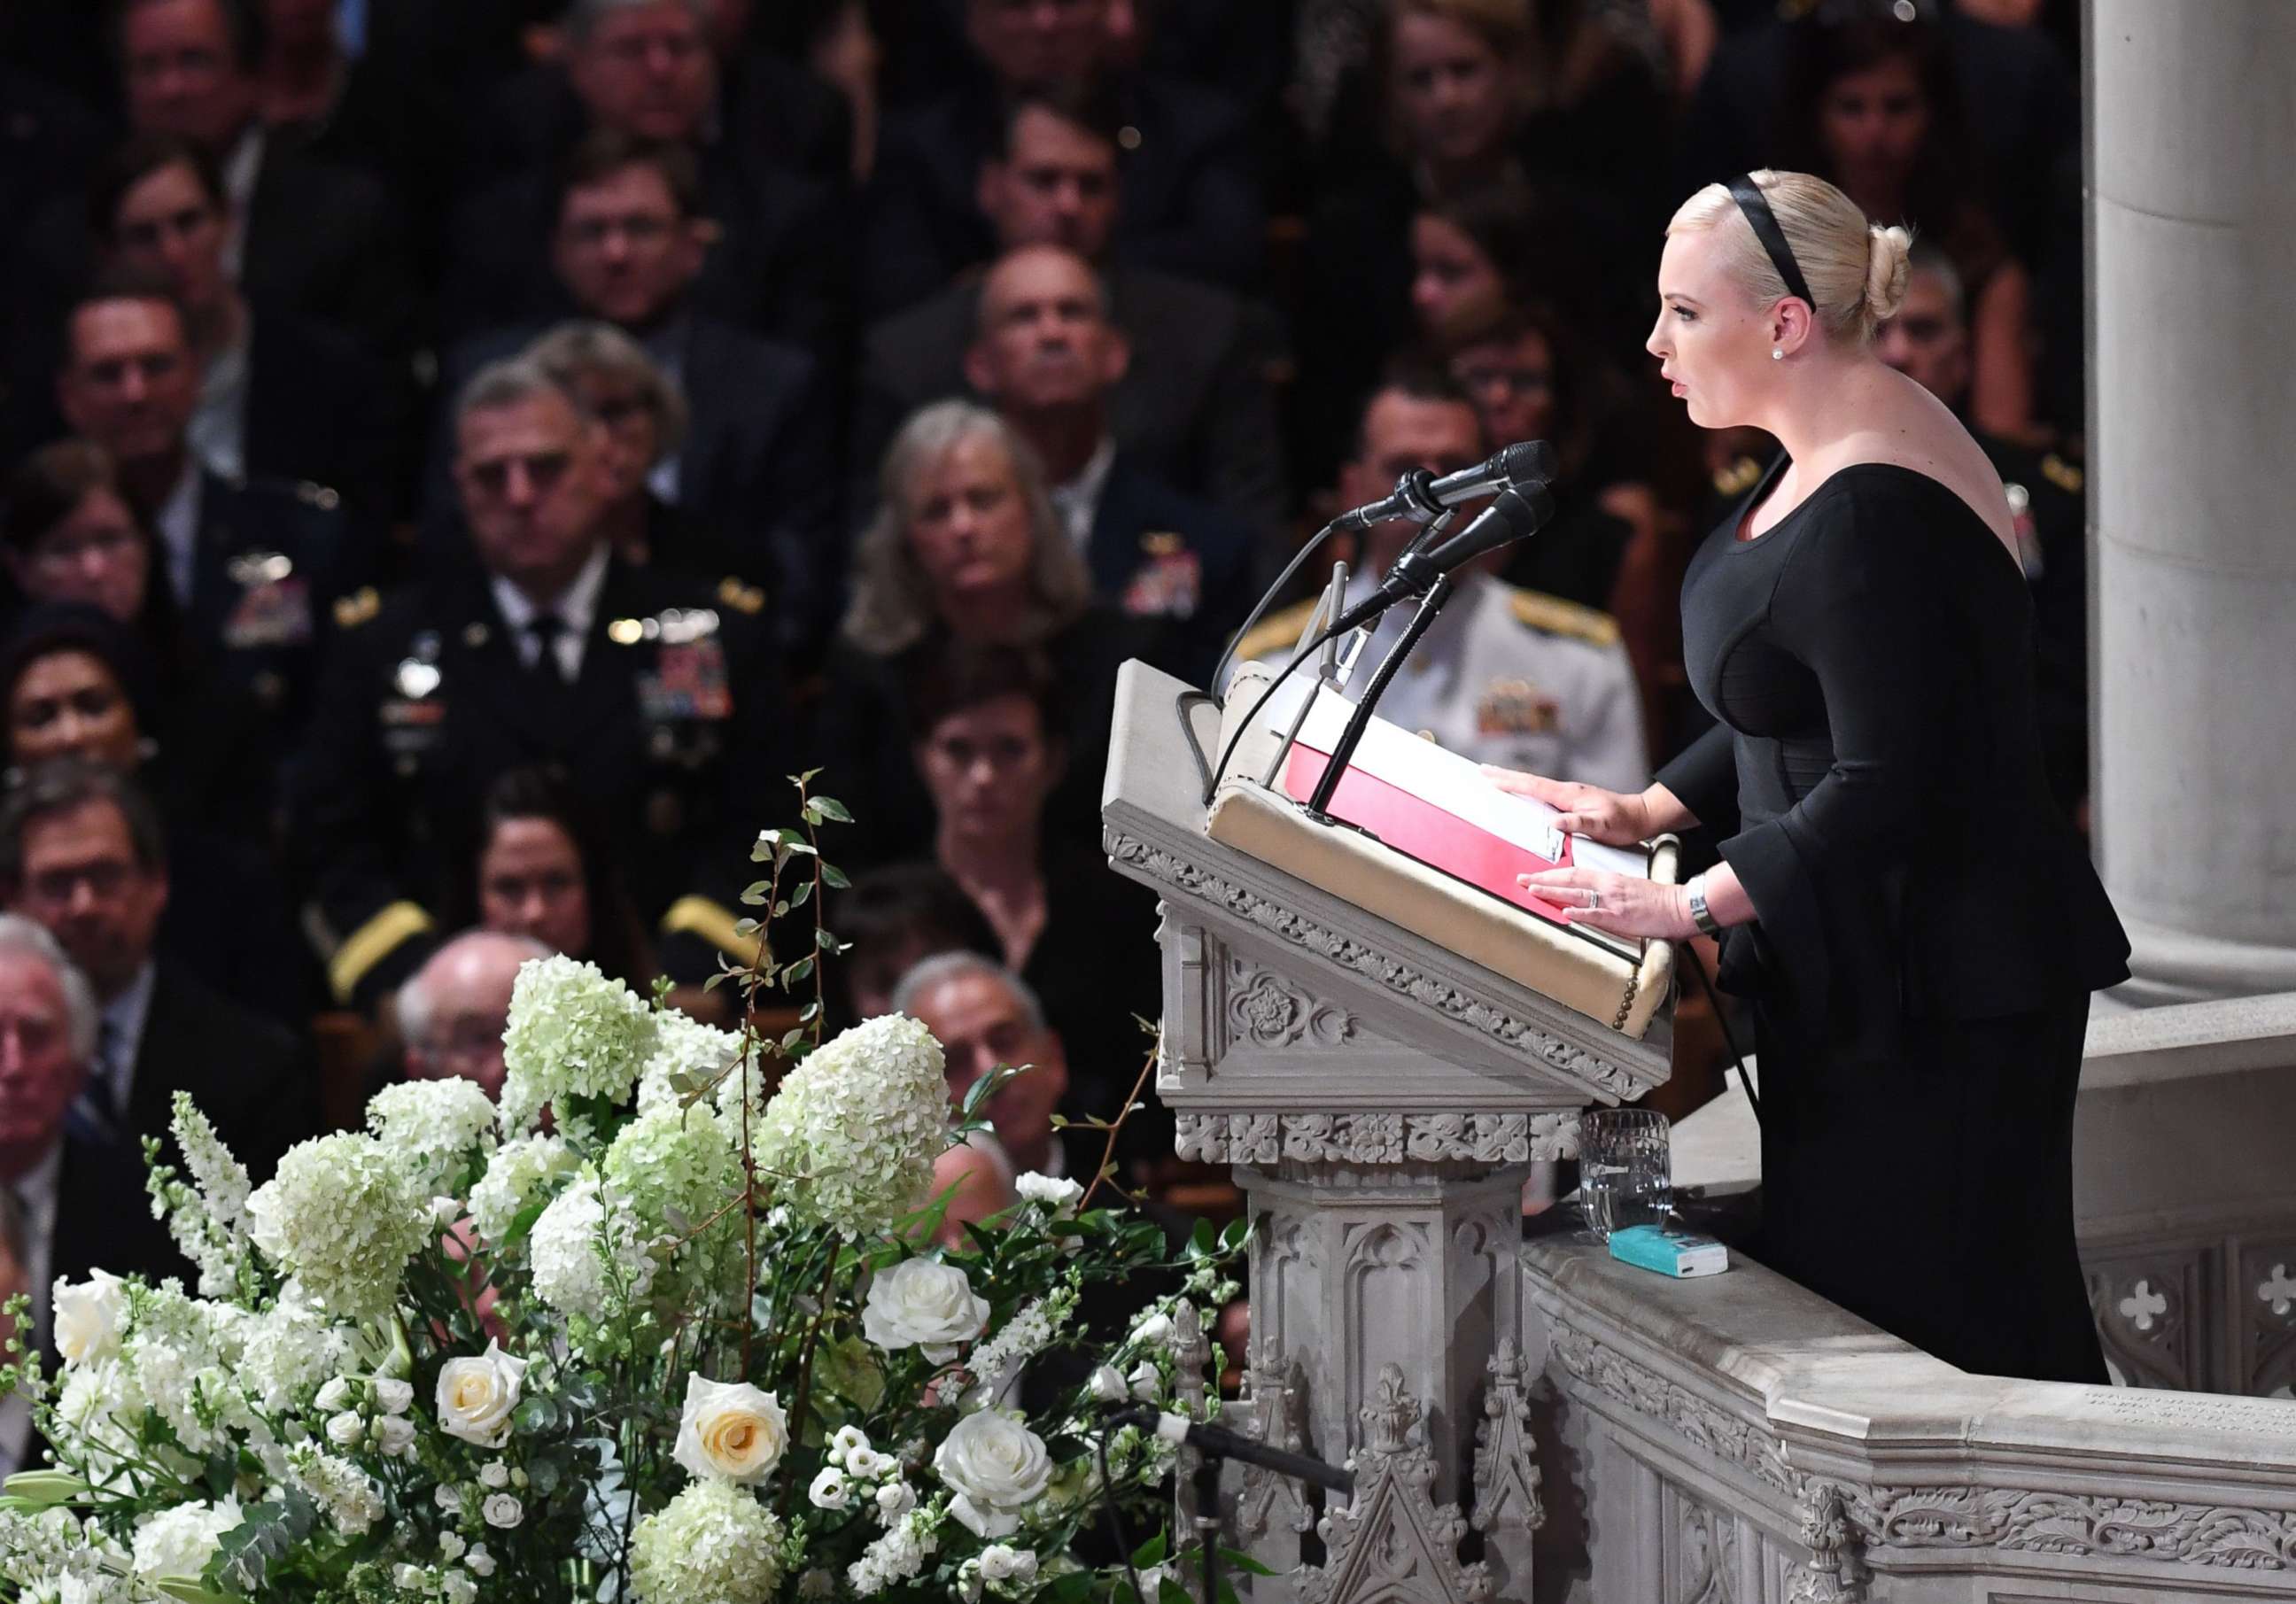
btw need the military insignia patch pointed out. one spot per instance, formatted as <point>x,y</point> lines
<point>1516,706</point>
<point>1170,584</point>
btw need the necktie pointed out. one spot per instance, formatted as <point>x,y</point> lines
<point>544,629</point>
<point>95,1115</point>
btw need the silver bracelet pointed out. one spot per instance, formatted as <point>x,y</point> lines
<point>1708,925</point>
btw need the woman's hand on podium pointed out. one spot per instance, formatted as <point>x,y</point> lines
<point>1608,817</point>
<point>1620,904</point>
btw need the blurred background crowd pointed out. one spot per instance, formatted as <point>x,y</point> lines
<point>461,454</point>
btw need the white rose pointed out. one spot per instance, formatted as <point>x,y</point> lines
<point>1000,1563</point>
<point>393,1397</point>
<point>730,1429</point>
<point>476,1396</point>
<point>501,1510</point>
<point>828,1490</point>
<point>447,1498</point>
<point>1057,1194</point>
<point>494,1473</point>
<point>996,1467</point>
<point>88,1316</point>
<point>895,1499</point>
<point>1107,1384</point>
<point>1146,1380</point>
<point>923,1304</point>
<point>334,1395</point>
<point>345,1430</point>
<point>395,1435</point>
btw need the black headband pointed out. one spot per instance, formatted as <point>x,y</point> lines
<point>1750,200</point>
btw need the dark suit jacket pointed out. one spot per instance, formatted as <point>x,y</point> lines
<point>321,411</point>
<point>755,468</point>
<point>1195,408</point>
<point>248,628</point>
<point>257,1085</point>
<point>1172,561</point>
<point>1191,202</point>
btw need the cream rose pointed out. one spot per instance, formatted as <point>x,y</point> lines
<point>996,1467</point>
<point>730,1429</point>
<point>88,1317</point>
<point>923,1304</point>
<point>476,1397</point>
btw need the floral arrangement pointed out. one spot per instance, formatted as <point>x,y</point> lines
<point>674,1323</point>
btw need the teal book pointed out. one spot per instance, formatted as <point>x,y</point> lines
<point>1670,1250</point>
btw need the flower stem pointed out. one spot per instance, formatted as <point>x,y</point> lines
<point>1108,1153</point>
<point>801,1399</point>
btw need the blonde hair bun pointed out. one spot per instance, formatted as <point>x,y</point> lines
<point>1886,272</point>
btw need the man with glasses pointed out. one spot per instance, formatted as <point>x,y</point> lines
<point>83,854</point>
<point>254,568</point>
<point>629,248</point>
<point>660,697</point>
<point>452,1014</point>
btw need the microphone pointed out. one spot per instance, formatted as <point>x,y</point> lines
<point>1517,512</point>
<point>1420,497</point>
<point>1218,1442</point>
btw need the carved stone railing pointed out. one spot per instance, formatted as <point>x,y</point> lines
<point>1741,1441</point>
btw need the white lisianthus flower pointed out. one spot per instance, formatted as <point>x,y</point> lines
<point>1107,1384</point>
<point>340,1217</point>
<point>518,1171</point>
<point>866,1464</point>
<point>830,1490</point>
<point>346,1431</point>
<point>502,1511</point>
<point>895,1499</point>
<point>855,1127</point>
<point>715,1541</point>
<point>1057,1194</point>
<point>1000,1563</point>
<point>392,1396</point>
<point>475,1396</point>
<point>481,1563</point>
<point>730,1429</point>
<point>431,1126</point>
<point>494,1473</point>
<point>923,1304</point>
<point>88,1316</point>
<point>394,1434</point>
<point>451,1545</point>
<point>456,1588</point>
<point>179,1541</point>
<point>844,1441</point>
<point>996,1467</point>
<point>409,1578</point>
<point>573,1032</point>
<point>1156,1331</point>
<point>1147,1382</point>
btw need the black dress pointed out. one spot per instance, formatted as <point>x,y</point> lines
<point>1927,929</point>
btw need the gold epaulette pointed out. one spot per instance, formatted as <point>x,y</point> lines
<point>1555,615</point>
<point>1277,631</point>
<point>358,608</point>
<point>2061,473</point>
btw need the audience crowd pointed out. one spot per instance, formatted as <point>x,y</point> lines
<point>463,455</point>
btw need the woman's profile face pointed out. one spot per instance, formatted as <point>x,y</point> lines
<point>1454,95</point>
<point>530,883</point>
<point>1449,271</point>
<point>990,769</point>
<point>70,704</point>
<point>94,554</point>
<point>968,524</point>
<point>1871,125</point>
<point>1710,345</point>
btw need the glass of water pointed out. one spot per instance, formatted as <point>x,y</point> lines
<point>1626,1171</point>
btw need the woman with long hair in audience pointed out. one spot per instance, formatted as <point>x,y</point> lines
<point>545,870</point>
<point>965,550</point>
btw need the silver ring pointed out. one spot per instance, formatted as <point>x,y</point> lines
<point>1594,901</point>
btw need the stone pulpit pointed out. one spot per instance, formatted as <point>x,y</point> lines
<point>1382,1052</point>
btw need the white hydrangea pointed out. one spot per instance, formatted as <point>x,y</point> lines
<point>342,1218</point>
<point>587,1254</point>
<point>573,1032</point>
<point>517,1171</point>
<point>682,1045</point>
<point>179,1541</point>
<point>855,1129</point>
<point>674,1161</point>
<point>430,1126</point>
<point>713,1541</point>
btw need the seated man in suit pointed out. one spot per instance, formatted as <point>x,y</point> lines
<point>253,567</point>
<point>1047,357</point>
<point>1504,675</point>
<point>643,71</point>
<point>628,248</point>
<point>452,1013</point>
<point>1193,194</point>
<point>1197,410</point>
<point>661,696</point>
<point>82,852</point>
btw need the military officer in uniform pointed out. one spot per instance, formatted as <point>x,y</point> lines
<point>1929,341</point>
<point>661,697</point>
<point>1504,675</point>
<point>252,568</point>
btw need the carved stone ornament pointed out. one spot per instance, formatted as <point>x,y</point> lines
<point>1717,1431</point>
<point>1271,1410</point>
<point>1507,1475</point>
<point>1266,1010</point>
<point>1708,1545</point>
<point>1191,881</point>
<point>1834,1574</point>
<point>1263,1139</point>
<point>1394,1544</point>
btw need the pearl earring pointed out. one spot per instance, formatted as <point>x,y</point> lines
<point>1777,353</point>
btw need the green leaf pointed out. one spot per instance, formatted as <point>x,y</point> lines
<point>1169,1592</point>
<point>808,1013</point>
<point>797,971</point>
<point>802,895</point>
<point>832,876</point>
<point>523,1221</point>
<point>806,778</point>
<point>823,940</point>
<point>1203,1242</point>
<point>745,928</point>
<point>42,1488</point>
<point>829,808</point>
<point>1153,1551</point>
<point>190,1591</point>
<point>1243,1563</point>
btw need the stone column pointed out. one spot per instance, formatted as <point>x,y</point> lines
<point>2192,136</point>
